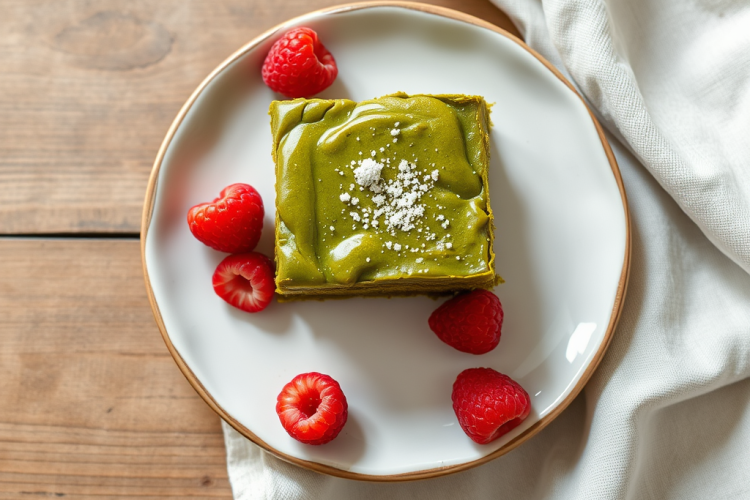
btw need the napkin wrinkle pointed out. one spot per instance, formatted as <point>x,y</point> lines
<point>249,480</point>
<point>716,195</point>
<point>664,353</point>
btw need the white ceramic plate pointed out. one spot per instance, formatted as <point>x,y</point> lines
<point>562,247</point>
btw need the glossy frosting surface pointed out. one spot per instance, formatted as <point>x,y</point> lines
<point>425,217</point>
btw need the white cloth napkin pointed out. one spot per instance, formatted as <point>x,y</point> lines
<point>666,415</point>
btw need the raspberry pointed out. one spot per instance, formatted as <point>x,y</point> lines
<point>245,281</point>
<point>298,65</point>
<point>488,404</point>
<point>232,222</point>
<point>312,408</point>
<point>470,322</point>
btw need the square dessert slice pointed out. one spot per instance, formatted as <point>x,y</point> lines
<point>382,197</point>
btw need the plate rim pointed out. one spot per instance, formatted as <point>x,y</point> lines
<point>148,209</point>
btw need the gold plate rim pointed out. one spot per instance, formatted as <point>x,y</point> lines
<point>333,471</point>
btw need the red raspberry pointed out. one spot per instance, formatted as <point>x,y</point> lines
<point>245,281</point>
<point>298,65</point>
<point>312,408</point>
<point>232,222</point>
<point>470,322</point>
<point>488,404</point>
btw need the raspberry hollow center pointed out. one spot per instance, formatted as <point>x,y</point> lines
<point>308,405</point>
<point>242,282</point>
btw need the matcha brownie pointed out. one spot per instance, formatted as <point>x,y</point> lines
<point>382,197</point>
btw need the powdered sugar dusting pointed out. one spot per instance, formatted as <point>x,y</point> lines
<point>368,172</point>
<point>389,199</point>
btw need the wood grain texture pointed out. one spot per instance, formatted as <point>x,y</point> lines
<point>92,404</point>
<point>89,89</point>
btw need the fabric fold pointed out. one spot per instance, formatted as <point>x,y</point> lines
<point>670,79</point>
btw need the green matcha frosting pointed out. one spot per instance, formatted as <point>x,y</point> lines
<point>381,190</point>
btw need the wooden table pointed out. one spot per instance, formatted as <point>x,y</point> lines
<point>91,403</point>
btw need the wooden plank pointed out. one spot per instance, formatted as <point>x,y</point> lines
<point>91,402</point>
<point>88,90</point>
